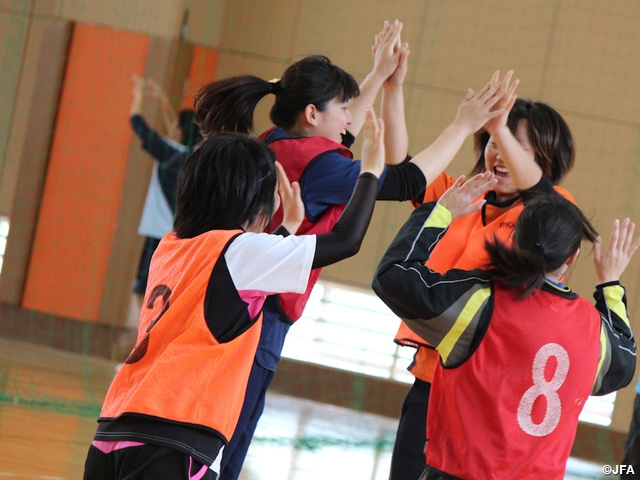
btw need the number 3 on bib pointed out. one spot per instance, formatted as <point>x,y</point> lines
<point>544,388</point>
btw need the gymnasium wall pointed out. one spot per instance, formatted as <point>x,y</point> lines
<point>73,246</point>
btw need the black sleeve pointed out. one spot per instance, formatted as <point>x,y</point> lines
<point>348,139</point>
<point>618,352</point>
<point>345,239</point>
<point>152,142</point>
<point>281,231</point>
<point>433,304</point>
<point>402,182</point>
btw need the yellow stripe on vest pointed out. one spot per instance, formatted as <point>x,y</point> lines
<point>450,340</point>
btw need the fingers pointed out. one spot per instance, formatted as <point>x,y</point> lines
<point>626,237</point>
<point>390,37</point>
<point>476,185</point>
<point>597,249</point>
<point>373,154</point>
<point>464,196</point>
<point>295,189</point>
<point>283,181</point>
<point>371,122</point>
<point>480,183</point>
<point>491,84</point>
<point>495,89</point>
<point>507,78</point>
<point>492,95</point>
<point>621,244</point>
<point>615,235</point>
<point>513,87</point>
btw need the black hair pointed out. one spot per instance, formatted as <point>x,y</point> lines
<point>548,134</point>
<point>548,231</point>
<point>228,183</point>
<point>191,135</point>
<point>228,105</point>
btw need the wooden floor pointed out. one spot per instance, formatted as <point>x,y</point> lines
<point>50,401</point>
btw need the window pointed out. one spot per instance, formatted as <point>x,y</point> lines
<point>4,233</point>
<point>352,329</point>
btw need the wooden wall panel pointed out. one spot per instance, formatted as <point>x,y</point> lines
<point>28,147</point>
<point>592,60</point>
<point>70,257</point>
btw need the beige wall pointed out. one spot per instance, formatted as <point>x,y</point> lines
<point>580,56</point>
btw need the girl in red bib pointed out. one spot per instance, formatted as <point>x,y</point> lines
<point>520,352</point>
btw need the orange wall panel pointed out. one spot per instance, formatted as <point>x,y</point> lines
<point>82,193</point>
<point>203,68</point>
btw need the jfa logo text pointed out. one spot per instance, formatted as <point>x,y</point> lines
<point>618,470</point>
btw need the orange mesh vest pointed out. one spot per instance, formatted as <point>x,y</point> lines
<point>178,371</point>
<point>462,247</point>
<point>295,154</point>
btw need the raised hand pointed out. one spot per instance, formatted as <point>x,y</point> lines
<point>387,50</point>
<point>610,264</point>
<point>399,50</point>
<point>506,103</point>
<point>292,205</point>
<point>373,153</point>
<point>154,88</point>
<point>138,84</point>
<point>478,108</point>
<point>461,198</point>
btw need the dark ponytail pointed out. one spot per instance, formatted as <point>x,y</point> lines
<point>548,231</point>
<point>227,105</point>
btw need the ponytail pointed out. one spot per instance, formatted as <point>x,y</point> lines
<point>227,105</point>
<point>515,268</point>
<point>549,230</point>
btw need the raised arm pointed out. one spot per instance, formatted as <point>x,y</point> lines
<point>396,139</point>
<point>431,303</point>
<point>385,62</point>
<point>523,172</point>
<point>292,205</point>
<point>169,115</point>
<point>154,143</point>
<point>138,96</point>
<point>475,110</point>
<point>618,357</point>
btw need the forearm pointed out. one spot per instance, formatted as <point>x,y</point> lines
<point>436,157</point>
<point>430,303</point>
<point>398,270</point>
<point>402,182</point>
<point>523,172</point>
<point>396,138</point>
<point>136,104</point>
<point>345,239</point>
<point>169,117</point>
<point>368,91</point>
<point>152,142</point>
<point>618,357</point>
